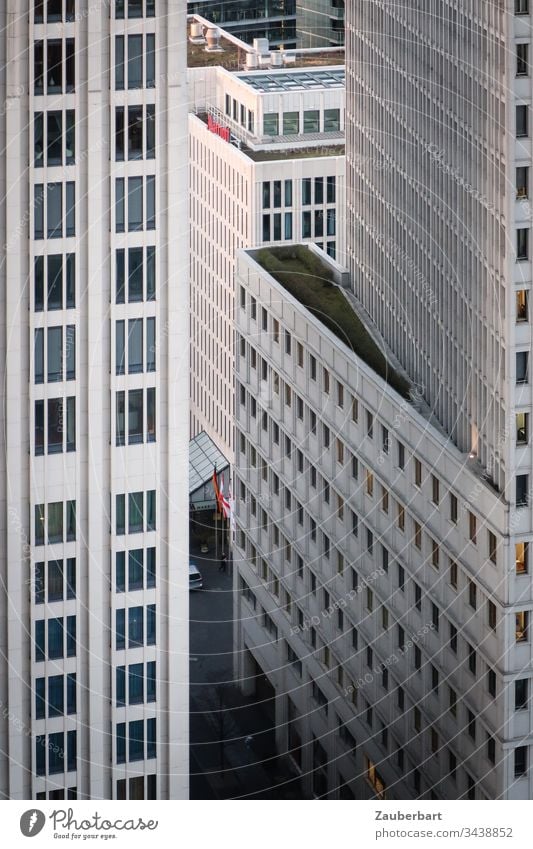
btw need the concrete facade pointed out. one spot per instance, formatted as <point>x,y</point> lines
<point>94,487</point>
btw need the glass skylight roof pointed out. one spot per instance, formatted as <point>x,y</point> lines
<point>291,80</point>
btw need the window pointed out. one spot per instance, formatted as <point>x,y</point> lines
<point>521,558</point>
<point>522,485</point>
<point>330,189</point>
<point>472,658</point>
<point>522,626</point>
<point>521,7</point>
<point>435,616</point>
<point>522,305</point>
<point>520,761</point>
<point>54,66</point>
<point>50,521</point>
<point>493,547</point>
<point>453,638</point>
<point>306,191</point>
<point>472,594</point>
<point>136,281</point>
<point>401,455</point>
<point>418,472</point>
<point>471,724</point>
<point>135,132</point>
<point>434,489</point>
<point>522,243</point>
<point>522,181</point>
<point>522,367</point>
<point>491,682</point>
<point>401,517</point>
<point>491,614</point>
<point>54,138</point>
<point>522,64</point>
<point>312,121</point>
<point>522,121</point>
<point>56,10</point>
<point>271,124</point>
<point>521,688</point>
<point>454,512</point>
<point>136,206</point>
<point>522,428</point>
<point>472,527</point>
<point>54,210</point>
<point>134,61</point>
<point>291,123</point>
<point>453,574</point>
<point>434,554</point>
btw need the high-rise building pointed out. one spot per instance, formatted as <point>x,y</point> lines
<point>319,23</point>
<point>94,352</point>
<point>266,166</point>
<point>249,19</point>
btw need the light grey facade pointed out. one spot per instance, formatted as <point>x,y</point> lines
<point>94,479</point>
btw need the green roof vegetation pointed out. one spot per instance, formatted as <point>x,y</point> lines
<point>311,282</point>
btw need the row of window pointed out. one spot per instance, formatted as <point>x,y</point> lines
<point>55,754</point>
<point>55,346</point>
<point>141,512</point>
<point>136,138</point>
<point>55,426</point>
<point>55,638</point>
<point>311,121</point>
<point>139,630</point>
<point>54,210</point>
<point>134,203</point>
<point>135,416</point>
<point>136,740</point>
<point>55,696</point>
<point>55,580</point>
<point>135,684</point>
<point>135,352</point>
<point>55,522</point>
<point>140,572</point>
<point>54,282</point>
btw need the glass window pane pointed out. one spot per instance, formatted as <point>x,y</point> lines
<point>71,577</point>
<point>150,510</point>
<point>135,416</point>
<point>71,423</point>
<point>135,61</point>
<point>271,124</point>
<point>135,627</point>
<point>121,742</point>
<point>39,583</point>
<point>70,65</point>
<point>150,202</point>
<point>135,569</point>
<point>39,524</point>
<point>150,415</point>
<point>120,350</point>
<point>135,510</point>
<point>55,638</point>
<point>40,754</point>
<point>150,131</point>
<point>119,205</point>
<point>120,572</point>
<point>312,121</point>
<point>71,281</point>
<point>54,210</point>
<point>135,132</point>
<point>70,137</point>
<point>55,522</point>
<point>39,428</point>
<point>332,120</point>
<point>121,420</point>
<point>151,738</point>
<point>40,698</point>
<point>135,274</point>
<point>150,61</point>
<point>121,686</point>
<point>54,138</point>
<point>71,636</point>
<point>135,203</point>
<point>39,355</point>
<point>119,276</point>
<point>70,351</point>
<point>119,9</point>
<point>71,520</point>
<point>150,681</point>
<point>150,567</point>
<point>55,696</point>
<point>38,68</point>
<point>38,211</point>
<point>119,62</point>
<point>39,640</point>
<point>135,8</point>
<point>119,133</point>
<point>288,225</point>
<point>120,514</point>
<point>54,66</point>
<point>288,192</point>
<point>150,8</point>
<point>150,625</point>
<point>120,628</point>
<point>71,692</point>
<point>38,140</point>
<point>38,11</point>
<point>291,123</point>
<point>150,344</point>
<point>70,218</point>
<point>38,286</point>
<point>55,282</point>
<point>135,345</point>
<point>71,750</point>
<point>56,753</point>
<point>150,274</point>
<point>136,740</point>
<point>136,684</point>
<point>55,353</point>
<point>55,580</point>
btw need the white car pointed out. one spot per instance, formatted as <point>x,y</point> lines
<point>195,578</point>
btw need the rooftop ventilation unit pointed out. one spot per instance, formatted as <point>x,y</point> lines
<point>212,37</point>
<point>252,61</point>
<point>196,35</point>
<point>260,45</point>
<point>276,59</point>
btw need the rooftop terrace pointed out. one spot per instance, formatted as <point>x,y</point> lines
<point>311,282</point>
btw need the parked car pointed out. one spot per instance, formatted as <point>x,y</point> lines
<point>195,577</point>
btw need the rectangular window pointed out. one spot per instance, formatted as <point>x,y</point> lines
<point>291,123</point>
<point>522,181</point>
<point>522,367</point>
<point>271,124</point>
<point>522,60</point>
<point>522,488</point>
<point>522,121</point>
<point>522,310</point>
<point>312,121</point>
<point>521,558</point>
<point>522,243</point>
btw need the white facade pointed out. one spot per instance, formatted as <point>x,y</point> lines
<point>380,584</point>
<point>264,186</point>
<point>94,487</point>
